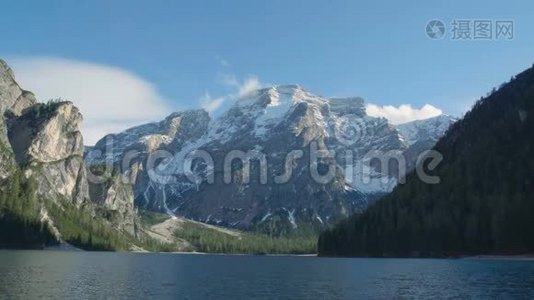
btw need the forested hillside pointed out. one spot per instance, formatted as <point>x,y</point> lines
<point>484,203</point>
<point>20,221</point>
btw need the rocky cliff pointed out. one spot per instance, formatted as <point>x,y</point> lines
<point>43,141</point>
<point>114,200</point>
<point>13,101</point>
<point>48,145</point>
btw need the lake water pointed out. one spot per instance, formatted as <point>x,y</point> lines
<point>99,275</point>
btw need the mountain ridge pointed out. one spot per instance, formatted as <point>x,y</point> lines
<point>259,121</point>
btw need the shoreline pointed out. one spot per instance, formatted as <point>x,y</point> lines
<point>230,254</point>
<point>74,249</point>
<point>521,257</point>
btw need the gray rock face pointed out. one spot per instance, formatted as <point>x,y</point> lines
<point>13,101</point>
<point>117,198</point>
<point>14,98</point>
<point>47,133</point>
<point>268,124</point>
<point>48,144</point>
<point>138,143</point>
<point>170,133</point>
<point>43,139</point>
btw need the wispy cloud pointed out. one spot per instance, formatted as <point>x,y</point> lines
<point>211,104</point>
<point>110,98</point>
<point>403,113</point>
<point>249,85</point>
<point>239,88</point>
<point>223,62</point>
<point>246,86</point>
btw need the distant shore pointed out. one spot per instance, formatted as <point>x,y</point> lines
<point>68,247</point>
<point>527,257</point>
<point>228,254</point>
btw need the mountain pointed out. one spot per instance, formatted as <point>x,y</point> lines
<point>430,130</point>
<point>483,202</point>
<point>228,170</point>
<point>44,189</point>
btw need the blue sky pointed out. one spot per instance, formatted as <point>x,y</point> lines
<point>185,54</point>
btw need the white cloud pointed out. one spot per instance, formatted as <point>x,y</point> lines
<point>110,98</point>
<point>403,113</point>
<point>214,105</point>
<point>248,85</point>
<point>211,104</point>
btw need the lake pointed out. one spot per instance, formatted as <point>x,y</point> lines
<point>101,275</point>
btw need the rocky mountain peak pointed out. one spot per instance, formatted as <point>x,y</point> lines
<point>277,95</point>
<point>272,121</point>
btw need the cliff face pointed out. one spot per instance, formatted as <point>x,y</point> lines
<point>174,132</point>
<point>12,101</point>
<point>13,97</point>
<point>48,145</point>
<point>117,199</point>
<point>44,141</point>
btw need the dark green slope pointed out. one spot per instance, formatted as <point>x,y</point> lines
<point>484,203</point>
<point>20,224</point>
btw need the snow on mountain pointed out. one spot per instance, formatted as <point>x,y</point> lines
<point>428,129</point>
<point>272,121</point>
